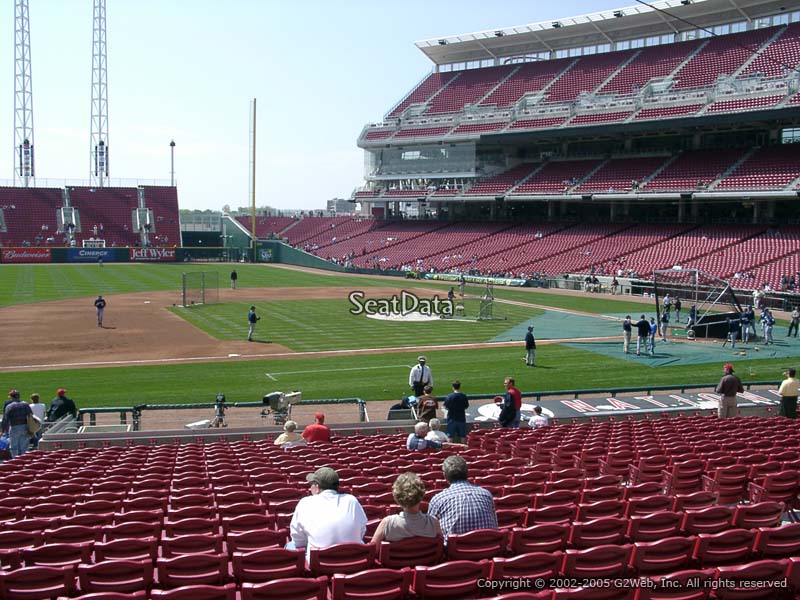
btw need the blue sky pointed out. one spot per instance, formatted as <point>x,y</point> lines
<point>187,70</point>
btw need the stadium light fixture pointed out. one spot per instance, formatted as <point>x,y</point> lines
<point>619,14</point>
<point>557,24</point>
<point>443,42</point>
<point>499,33</point>
<point>686,2</point>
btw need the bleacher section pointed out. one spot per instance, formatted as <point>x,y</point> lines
<point>619,174</point>
<point>586,75</point>
<point>652,62</point>
<point>501,183</point>
<point>103,213</point>
<point>163,201</point>
<point>111,210</point>
<point>683,67</point>
<point>687,249</point>
<point>311,226</point>
<point>25,211</point>
<point>467,88</point>
<point>696,497</point>
<point>771,168</point>
<point>266,226</point>
<point>529,78</point>
<point>557,176</point>
<point>694,170</point>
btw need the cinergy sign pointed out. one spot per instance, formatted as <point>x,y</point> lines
<point>153,254</point>
<point>26,255</point>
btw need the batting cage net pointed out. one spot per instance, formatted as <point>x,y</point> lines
<point>478,304</point>
<point>712,299</point>
<point>199,287</point>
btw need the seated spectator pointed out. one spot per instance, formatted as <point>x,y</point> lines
<point>408,490</point>
<point>318,432</point>
<point>39,411</point>
<point>326,517</point>
<point>538,419</point>
<point>462,507</point>
<point>289,435</point>
<point>418,439</point>
<point>427,404</point>
<point>434,433</point>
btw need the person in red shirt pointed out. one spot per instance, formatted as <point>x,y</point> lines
<point>516,397</point>
<point>318,432</point>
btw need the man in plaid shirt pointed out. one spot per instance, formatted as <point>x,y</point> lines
<point>462,507</point>
<point>15,424</point>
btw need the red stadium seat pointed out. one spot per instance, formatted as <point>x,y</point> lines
<point>35,583</point>
<point>377,584</point>
<point>456,579</point>
<point>293,588</point>
<point>341,558</point>
<point>477,544</point>
<point>192,569</point>
<point>116,576</point>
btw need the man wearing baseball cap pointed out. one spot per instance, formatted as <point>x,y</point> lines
<point>60,406</point>
<point>15,424</point>
<point>326,517</point>
<point>318,432</point>
<point>13,396</point>
<point>728,387</point>
<point>420,376</point>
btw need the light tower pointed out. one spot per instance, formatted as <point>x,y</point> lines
<point>98,152</point>
<point>23,96</point>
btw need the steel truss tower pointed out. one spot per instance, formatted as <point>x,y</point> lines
<point>98,153</point>
<point>24,170</point>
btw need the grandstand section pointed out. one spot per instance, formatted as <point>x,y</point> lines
<point>620,117</point>
<point>89,216</point>
<point>617,116</point>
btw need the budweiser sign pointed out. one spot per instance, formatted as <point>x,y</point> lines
<point>26,255</point>
<point>153,254</point>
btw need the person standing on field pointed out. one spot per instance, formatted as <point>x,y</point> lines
<point>252,319</point>
<point>530,348</point>
<point>627,328</point>
<point>100,306</point>
<point>420,376</point>
<point>234,277</point>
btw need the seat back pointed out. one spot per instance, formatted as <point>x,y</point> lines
<point>192,569</point>
<point>268,564</point>
<point>532,565</point>
<point>116,576</point>
<point>35,583</point>
<point>341,558</point>
<point>478,544</point>
<point>725,548</point>
<point>662,556</point>
<point>601,561</point>
<point>410,552</point>
<point>606,530</point>
<point>291,588</point>
<point>546,537</point>
<point>376,584</point>
<point>455,579</point>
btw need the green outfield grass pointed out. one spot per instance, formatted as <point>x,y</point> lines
<point>24,284</point>
<point>309,325</point>
<point>372,377</point>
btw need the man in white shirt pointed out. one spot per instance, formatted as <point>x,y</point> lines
<point>435,432</point>
<point>326,517</point>
<point>538,419</point>
<point>420,376</point>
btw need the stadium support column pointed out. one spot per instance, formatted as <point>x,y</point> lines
<point>23,96</point>
<point>98,142</point>
<point>681,210</point>
<point>253,238</point>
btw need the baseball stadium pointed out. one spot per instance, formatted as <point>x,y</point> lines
<point>562,179</point>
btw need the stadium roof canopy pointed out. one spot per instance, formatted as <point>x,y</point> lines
<point>611,26</point>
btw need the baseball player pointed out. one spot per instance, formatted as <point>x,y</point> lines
<point>100,305</point>
<point>252,319</point>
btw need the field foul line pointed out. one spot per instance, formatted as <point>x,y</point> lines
<point>321,353</point>
<point>270,375</point>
